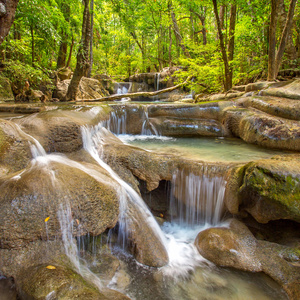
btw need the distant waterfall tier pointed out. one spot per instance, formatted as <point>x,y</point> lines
<point>130,120</point>
<point>197,199</point>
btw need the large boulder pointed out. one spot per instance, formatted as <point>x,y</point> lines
<point>256,127</point>
<point>60,130</point>
<point>43,200</point>
<point>89,88</point>
<point>268,189</point>
<point>289,90</point>
<point>236,247</point>
<point>280,107</point>
<point>6,93</point>
<point>15,152</point>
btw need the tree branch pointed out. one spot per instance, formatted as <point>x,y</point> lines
<point>139,94</point>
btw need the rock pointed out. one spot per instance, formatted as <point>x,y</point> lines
<point>257,86</point>
<point>290,90</point>
<point>271,189</point>
<point>279,107</point>
<point>6,93</point>
<point>268,189</point>
<point>89,88</point>
<point>38,282</point>
<point>230,248</point>
<point>236,247</point>
<point>64,73</point>
<point>60,130</point>
<point>259,128</point>
<point>107,82</point>
<point>55,190</point>
<point>15,152</point>
<point>188,127</point>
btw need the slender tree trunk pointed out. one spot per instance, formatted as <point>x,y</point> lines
<point>272,41</point>
<point>284,36</point>
<point>70,52</point>
<point>32,44</point>
<point>83,62</point>
<point>202,18</point>
<point>231,37</point>
<point>177,31</point>
<point>228,79</point>
<point>170,46</point>
<point>92,40</point>
<point>7,16</point>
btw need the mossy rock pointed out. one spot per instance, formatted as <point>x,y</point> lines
<point>55,282</point>
<point>271,189</point>
<point>6,93</point>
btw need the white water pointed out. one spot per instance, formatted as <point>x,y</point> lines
<point>177,238</point>
<point>93,139</point>
<point>148,128</point>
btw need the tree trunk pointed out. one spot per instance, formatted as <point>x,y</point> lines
<point>272,41</point>
<point>231,37</point>
<point>228,79</point>
<point>70,53</point>
<point>7,16</point>
<point>63,47</point>
<point>91,42</point>
<point>32,44</point>
<point>83,62</point>
<point>170,46</point>
<point>284,36</point>
<point>177,31</point>
<point>62,53</point>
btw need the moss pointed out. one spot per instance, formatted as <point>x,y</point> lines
<point>270,186</point>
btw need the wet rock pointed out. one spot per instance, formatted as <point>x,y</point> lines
<point>280,107</point>
<point>15,151</point>
<point>268,189</point>
<point>271,189</point>
<point>38,282</point>
<point>236,247</point>
<point>259,128</point>
<point>6,93</point>
<point>188,127</point>
<point>55,191</point>
<point>290,90</point>
<point>60,130</point>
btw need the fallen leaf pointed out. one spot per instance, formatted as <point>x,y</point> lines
<point>47,219</point>
<point>50,267</point>
<point>77,221</point>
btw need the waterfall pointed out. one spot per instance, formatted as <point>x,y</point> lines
<point>156,83</point>
<point>117,121</point>
<point>93,139</point>
<point>197,199</point>
<point>148,128</point>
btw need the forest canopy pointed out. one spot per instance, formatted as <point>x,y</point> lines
<point>219,43</point>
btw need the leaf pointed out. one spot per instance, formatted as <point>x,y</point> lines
<point>47,219</point>
<point>51,267</point>
<point>77,221</point>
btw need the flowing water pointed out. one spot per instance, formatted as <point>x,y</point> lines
<point>196,201</point>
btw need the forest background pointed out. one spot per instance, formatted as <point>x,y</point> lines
<point>219,43</point>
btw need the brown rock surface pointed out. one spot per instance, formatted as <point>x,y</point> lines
<point>236,247</point>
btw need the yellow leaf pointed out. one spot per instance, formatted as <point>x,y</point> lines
<point>77,221</point>
<point>47,219</point>
<point>51,267</point>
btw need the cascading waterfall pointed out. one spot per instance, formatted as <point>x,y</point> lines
<point>117,121</point>
<point>148,128</point>
<point>197,199</point>
<point>93,138</point>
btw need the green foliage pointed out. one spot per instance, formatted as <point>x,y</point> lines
<point>18,73</point>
